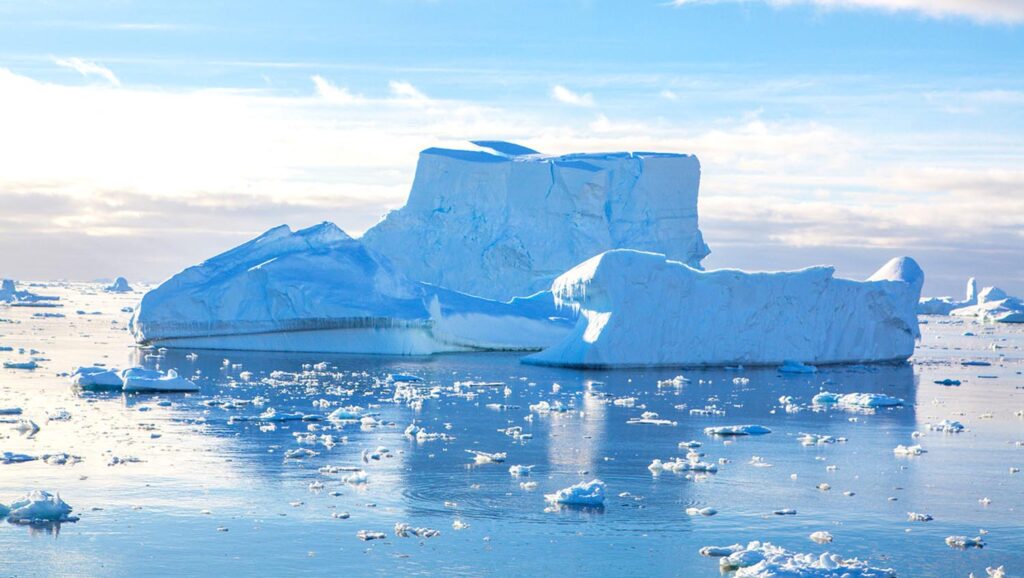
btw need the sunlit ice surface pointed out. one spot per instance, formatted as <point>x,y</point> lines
<point>194,490</point>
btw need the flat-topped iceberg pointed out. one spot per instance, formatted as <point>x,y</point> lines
<point>320,290</point>
<point>505,220</point>
<point>643,309</point>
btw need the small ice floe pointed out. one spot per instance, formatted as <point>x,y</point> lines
<point>28,365</point>
<point>10,411</point>
<point>376,454</point>
<point>459,525</point>
<point>14,458</point>
<point>649,418</point>
<point>985,501</point>
<point>915,450</point>
<point>585,494</point>
<point>59,415</point>
<point>795,367</point>
<point>947,426</point>
<point>139,380</point>
<point>404,378</point>
<point>948,381</point>
<point>784,512</point>
<point>964,542</point>
<point>422,435</point>
<point>518,471</point>
<point>691,464</point>
<point>810,439</point>
<point>856,400</point>
<point>367,535</point>
<point>676,382</point>
<point>481,458</point>
<point>120,461</point>
<point>759,462</point>
<point>968,363</point>
<point>991,572</point>
<point>96,378</point>
<point>737,430</point>
<point>406,531</point>
<point>300,454</point>
<point>528,486</point>
<point>357,478</point>
<point>350,413</point>
<point>764,560</point>
<point>38,507</point>
<point>701,511</point>
<point>916,517</point>
<point>821,537</point>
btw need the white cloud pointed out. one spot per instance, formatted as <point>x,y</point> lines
<point>986,11</point>
<point>564,95</point>
<point>406,92</point>
<point>334,94</point>
<point>669,95</point>
<point>87,68</point>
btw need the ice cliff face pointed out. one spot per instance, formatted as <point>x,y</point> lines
<point>641,309</point>
<point>507,220</point>
<point>318,289</point>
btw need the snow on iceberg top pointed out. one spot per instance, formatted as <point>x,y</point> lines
<point>505,220</point>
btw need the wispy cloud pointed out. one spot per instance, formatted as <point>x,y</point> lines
<point>566,96</point>
<point>87,68</point>
<point>332,93</point>
<point>985,11</point>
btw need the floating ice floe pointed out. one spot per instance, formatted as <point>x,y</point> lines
<point>730,317</point>
<point>94,377</point>
<point>403,530</point>
<point>120,285</point>
<point>261,295</point>
<point>765,560</point>
<point>902,450</point>
<point>964,542</point>
<point>519,471</point>
<point>582,494</point>
<point>947,426</point>
<point>701,511</point>
<point>916,517</point>
<point>856,400</point>
<point>504,220</point>
<point>38,507</point>
<point>29,365</point>
<point>790,366</point>
<point>367,535</point>
<point>139,380</point>
<point>487,458</point>
<point>678,465</point>
<point>821,537</point>
<point>650,418</point>
<point>737,430</point>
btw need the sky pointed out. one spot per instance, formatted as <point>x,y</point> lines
<point>138,138</point>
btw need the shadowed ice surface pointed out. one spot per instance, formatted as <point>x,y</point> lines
<point>215,495</point>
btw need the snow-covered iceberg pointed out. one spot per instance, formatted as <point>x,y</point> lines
<point>505,220</point>
<point>643,309</point>
<point>120,285</point>
<point>320,290</point>
<point>9,293</point>
<point>945,305</point>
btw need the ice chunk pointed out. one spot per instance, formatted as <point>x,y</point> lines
<point>39,506</point>
<point>506,221</point>
<point>856,400</point>
<point>94,377</point>
<point>737,430</point>
<point>9,293</point>
<point>790,366</point>
<point>642,309</point>
<point>139,380</point>
<point>765,560</point>
<point>120,285</point>
<point>582,494</point>
<point>319,290</point>
<point>963,542</point>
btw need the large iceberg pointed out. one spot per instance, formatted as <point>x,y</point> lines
<point>643,309</point>
<point>320,290</point>
<point>989,304</point>
<point>506,220</point>
<point>945,305</point>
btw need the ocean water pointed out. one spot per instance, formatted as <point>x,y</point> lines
<point>213,496</point>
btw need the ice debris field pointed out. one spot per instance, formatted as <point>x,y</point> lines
<point>528,392</point>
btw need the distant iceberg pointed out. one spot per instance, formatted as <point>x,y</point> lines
<point>120,285</point>
<point>320,290</point>
<point>505,220</point>
<point>643,309</point>
<point>989,304</point>
<point>9,293</point>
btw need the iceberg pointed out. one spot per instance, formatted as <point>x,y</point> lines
<point>505,220</point>
<point>584,494</point>
<point>765,560</point>
<point>728,317</point>
<point>120,285</point>
<point>9,293</point>
<point>38,507</point>
<point>991,304</point>
<point>320,290</point>
<point>139,380</point>
<point>96,378</point>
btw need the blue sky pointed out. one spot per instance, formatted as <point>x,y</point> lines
<point>142,137</point>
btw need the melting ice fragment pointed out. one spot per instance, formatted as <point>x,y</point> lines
<point>40,506</point>
<point>737,430</point>
<point>582,494</point>
<point>765,560</point>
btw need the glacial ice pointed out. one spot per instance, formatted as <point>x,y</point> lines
<point>505,220</point>
<point>9,293</point>
<point>991,304</point>
<point>261,295</point>
<point>139,380</point>
<point>97,378</point>
<point>729,317</point>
